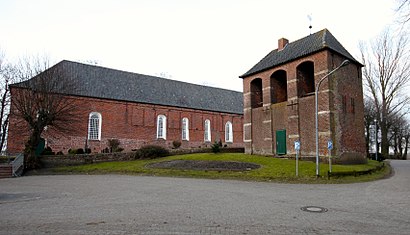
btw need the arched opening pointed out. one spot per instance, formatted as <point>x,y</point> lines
<point>185,129</point>
<point>162,127</point>
<point>94,126</point>
<point>279,88</point>
<point>207,132</point>
<point>256,93</point>
<point>305,78</point>
<point>228,132</point>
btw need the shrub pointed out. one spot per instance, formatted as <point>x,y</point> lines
<point>380,156</point>
<point>60,153</point>
<point>47,151</point>
<point>76,151</point>
<point>176,144</point>
<point>114,145</point>
<point>216,147</point>
<point>6,159</point>
<point>150,152</point>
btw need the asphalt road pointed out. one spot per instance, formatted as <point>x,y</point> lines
<point>119,204</point>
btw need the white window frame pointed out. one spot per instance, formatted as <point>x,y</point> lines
<point>91,123</point>
<point>228,132</point>
<point>207,131</point>
<point>162,127</point>
<point>185,129</point>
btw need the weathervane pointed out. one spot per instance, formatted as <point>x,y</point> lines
<point>310,23</point>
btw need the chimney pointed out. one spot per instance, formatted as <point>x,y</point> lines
<point>282,43</point>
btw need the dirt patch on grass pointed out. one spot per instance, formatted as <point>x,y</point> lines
<point>204,165</point>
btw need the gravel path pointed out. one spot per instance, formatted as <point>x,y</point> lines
<point>118,204</point>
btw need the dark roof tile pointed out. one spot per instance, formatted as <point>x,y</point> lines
<point>303,47</point>
<point>101,82</point>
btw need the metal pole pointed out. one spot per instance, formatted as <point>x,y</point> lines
<point>297,164</point>
<point>375,135</point>
<point>330,161</point>
<point>345,62</point>
<point>317,127</point>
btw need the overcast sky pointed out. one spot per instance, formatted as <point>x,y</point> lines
<point>207,42</point>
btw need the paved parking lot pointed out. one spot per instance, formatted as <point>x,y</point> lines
<point>119,204</point>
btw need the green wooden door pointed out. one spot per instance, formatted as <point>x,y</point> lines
<point>281,142</point>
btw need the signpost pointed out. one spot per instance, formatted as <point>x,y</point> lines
<point>297,148</point>
<point>329,149</point>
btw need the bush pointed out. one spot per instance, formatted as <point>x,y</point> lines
<point>176,144</point>
<point>47,151</point>
<point>60,153</point>
<point>114,145</point>
<point>76,151</point>
<point>6,159</point>
<point>150,152</point>
<point>380,156</point>
<point>216,147</point>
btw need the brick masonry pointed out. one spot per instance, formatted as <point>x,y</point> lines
<point>340,111</point>
<point>134,125</point>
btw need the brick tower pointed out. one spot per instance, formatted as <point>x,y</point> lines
<point>279,100</point>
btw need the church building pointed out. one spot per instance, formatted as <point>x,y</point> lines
<point>139,110</point>
<point>279,100</point>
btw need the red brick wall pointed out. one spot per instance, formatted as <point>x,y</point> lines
<point>346,129</point>
<point>348,120</point>
<point>134,125</point>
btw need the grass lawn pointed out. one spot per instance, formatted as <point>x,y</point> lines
<point>272,169</point>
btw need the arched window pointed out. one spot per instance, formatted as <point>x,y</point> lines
<point>162,127</point>
<point>94,126</point>
<point>228,132</point>
<point>207,133</point>
<point>305,78</point>
<point>185,129</point>
<point>279,89</point>
<point>256,93</point>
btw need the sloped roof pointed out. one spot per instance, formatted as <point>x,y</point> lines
<point>313,43</point>
<point>100,82</point>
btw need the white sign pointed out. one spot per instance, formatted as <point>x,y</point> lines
<point>329,144</point>
<point>297,145</point>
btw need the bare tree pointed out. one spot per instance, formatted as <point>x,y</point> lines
<point>398,131</point>
<point>403,10</point>
<point>42,103</point>
<point>400,136</point>
<point>406,137</point>
<point>7,76</point>
<point>386,73</point>
<point>369,117</point>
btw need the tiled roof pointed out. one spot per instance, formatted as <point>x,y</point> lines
<point>101,82</point>
<point>303,47</point>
